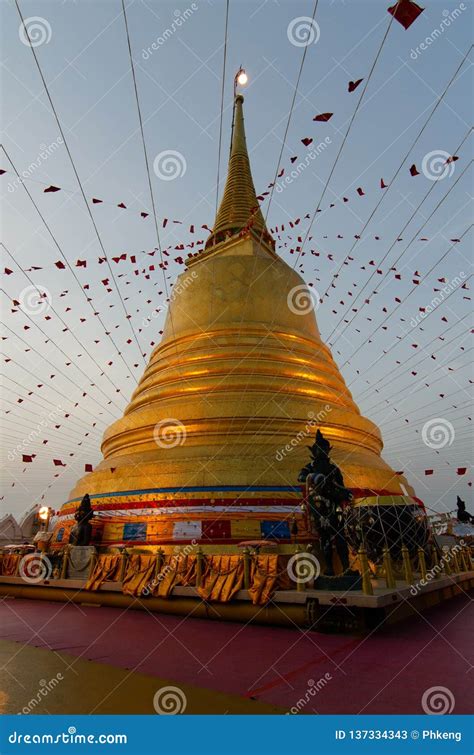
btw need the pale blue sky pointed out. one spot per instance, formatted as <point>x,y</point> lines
<point>86,65</point>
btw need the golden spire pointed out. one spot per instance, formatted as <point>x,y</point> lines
<point>239,208</point>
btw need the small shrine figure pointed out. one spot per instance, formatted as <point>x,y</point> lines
<point>326,496</point>
<point>462,515</point>
<point>81,533</point>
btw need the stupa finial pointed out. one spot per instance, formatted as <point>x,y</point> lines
<point>239,209</point>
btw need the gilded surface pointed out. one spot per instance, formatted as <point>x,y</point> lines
<point>241,379</point>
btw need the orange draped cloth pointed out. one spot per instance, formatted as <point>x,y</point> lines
<point>9,564</point>
<point>176,570</point>
<point>139,573</point>
<point>106,569</point>
<point>222,579</point>
<point>268,573</point>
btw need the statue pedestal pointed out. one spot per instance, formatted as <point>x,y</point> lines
<point>347,582</point>
<point>79,561</point>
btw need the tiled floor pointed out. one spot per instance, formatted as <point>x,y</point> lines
<point>113,660</point>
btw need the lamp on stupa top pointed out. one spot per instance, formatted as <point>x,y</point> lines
<point>210,445</point>
<point>240,79</point>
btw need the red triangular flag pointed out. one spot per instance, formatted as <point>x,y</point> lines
<point>354,84</point>
<point>323,117</point>
<point>405,12</point>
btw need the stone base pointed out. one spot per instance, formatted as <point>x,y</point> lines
<point>79,561</point>
<point>348,582</point>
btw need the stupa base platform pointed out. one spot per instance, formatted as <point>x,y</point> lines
<point>350,611</point>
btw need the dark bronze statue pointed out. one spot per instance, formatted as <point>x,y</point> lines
<point>326,495</point>
<point>81,533</point>
<point>462,515</point>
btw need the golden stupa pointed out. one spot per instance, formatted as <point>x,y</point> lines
<point>211,444</point>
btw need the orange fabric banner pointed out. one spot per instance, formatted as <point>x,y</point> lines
<point>176,570</point>
<point>9,564</point>
<point>268,573</point>
<point>106,569</point>
<point>222,579</point>
<point>139,573</point>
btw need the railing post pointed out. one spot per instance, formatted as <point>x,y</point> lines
<point>407,565</point>
<point>455,559</point>
<point>64,563</point>
<point>446,563</point>
<point>199,565</point>
<point>246,557</point>
<point>389,578</point>
<point>367,588</point>
<point>123,565</point>
<point>94,558</point>
<point>300,585</point>
<point>159,561</point>
<point>422,562</point>
<point>435,561</point>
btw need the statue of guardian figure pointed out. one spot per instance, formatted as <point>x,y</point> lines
<point>81,533</point>
<point>326,497</point>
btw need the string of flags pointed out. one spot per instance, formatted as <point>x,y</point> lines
<point>29,458</point>
<point>405,12</point>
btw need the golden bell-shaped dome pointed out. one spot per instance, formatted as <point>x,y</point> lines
<point>236,389</point>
